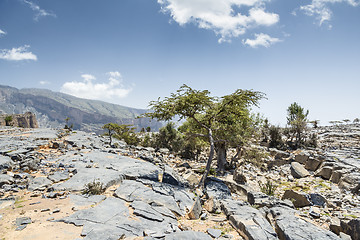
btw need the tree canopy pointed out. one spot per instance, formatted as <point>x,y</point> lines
<point>221,120</point>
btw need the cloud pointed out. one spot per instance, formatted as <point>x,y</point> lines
<point>220,16</point>
<point>39,12</point>
<point>17,54</point>
<point>44,83</point>
<point>2,33</point>
<point>109,91</point>
<point>321,11</point>
<point>261,39</point>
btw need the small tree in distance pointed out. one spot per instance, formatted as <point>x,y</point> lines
<point>297,119</point>
<point>8,119</point>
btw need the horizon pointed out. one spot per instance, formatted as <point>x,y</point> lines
<point>132,52</point>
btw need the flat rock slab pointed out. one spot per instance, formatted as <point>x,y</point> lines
<point>188,235</point>
<point>251,224</point>
<point>298,170</point>
<point>145,210</point>
<point>81,200</point>
<point>5,162</point>
<point>130,191</point>
<point>84,176</point>
<point>290,227</point>
<point>59,176</point>
<point>38,183</point>
<point>216,188</point>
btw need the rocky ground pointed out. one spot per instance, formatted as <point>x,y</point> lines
<point>149,194</point>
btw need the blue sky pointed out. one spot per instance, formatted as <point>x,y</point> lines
<point>133,51</point>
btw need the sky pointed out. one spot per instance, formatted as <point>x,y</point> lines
<point>131,52</point>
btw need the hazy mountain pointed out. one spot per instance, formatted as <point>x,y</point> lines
<point>51,109</point>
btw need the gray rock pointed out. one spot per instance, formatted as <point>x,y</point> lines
<point>250,223</point>
<point>298,171</point>
<point>188,235</point>
<point>231,207</point>
<point>215,233</point>
<point>59,176</point>
<point>132,190</point>
<point>5,179</point>
<point>216,188</point>
<point>81,200</point>
<point>299,199</point>
<point>290,227</point>
<point>344,236</point>
<point>257,198</point>
<point>145,210</point>
<point>22,222</point>
<point>5,163</point>
<point>318,199</point>
<point>39,183</point>
<point>84,176</point>
<point>196,209</point>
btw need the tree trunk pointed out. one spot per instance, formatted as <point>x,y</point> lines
<point>221,157</point>
<point>208,164</point>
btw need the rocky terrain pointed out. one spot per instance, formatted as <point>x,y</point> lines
<point>26,120</point>
<point>51,109</point>
<point>149,194</point>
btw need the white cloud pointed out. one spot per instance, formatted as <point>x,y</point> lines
<point>220,16</point>
<point>109,91</point>
<point>39,12</point>
<point>261,39</point>
<point>44,82</point>
<point>17,54</point>
<point>321,11</point>
<point>2,33</point>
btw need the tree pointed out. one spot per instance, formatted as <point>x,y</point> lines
<point>127,133</point>
<point>67,119</point>
<point>356,120</point>
<point>297,119</point>
<point>168,137</point>
<point>208,115</point>
<point>8,119</point>
<point>111,127</point>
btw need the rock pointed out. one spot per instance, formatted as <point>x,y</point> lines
<point>335,225</point>
<point>250,223</point>
<point>239,176</point>
<point>336,176</point>
<point>302,157</point>
<point>290,227</point>
<point>192,178</point>
<point>145,210</point>
<point>26,120</point>
<point>257,198</point>
<point>344,236</point>
<point>314,212</point>
<point>59,176</point>
<point>318,199</point>
<point>5,163</point>
<point>324,172</point>
<point>299,199</point>
<point>81,200</point>
<point>22,222</point>
<point>187,235</point>
<point>298,171</point>
<point>196,209</point>
<point>312,164</point>
<point>278,154</point>
<point>216,188</point>
<point>211,205</point>
<point>230,207</point>
<point>215,233</point>
<point>5,179</point>
<point>351,228</point>
<point>39,183</point>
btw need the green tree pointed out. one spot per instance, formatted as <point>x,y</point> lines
<point>8,119</point>
<point>356,120</point>
<point>127,133</point>
<point>111,128</point>
<point>67,119</point>
<point>208,115</point>
<point>297,119</point>
<point>168,137</point>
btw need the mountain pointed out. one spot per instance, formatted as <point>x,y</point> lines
<point>51,109</point>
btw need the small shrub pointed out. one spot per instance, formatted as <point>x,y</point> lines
<point>268,188</point>
<point>93,188</point>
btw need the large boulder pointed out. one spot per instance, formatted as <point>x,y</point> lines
<point>313,163</point>
<point>298,171</point>
<point>239,176</point>
<point>352,228</point>
<point>302,157</point>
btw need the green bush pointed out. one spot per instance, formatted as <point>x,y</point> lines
<point>93,188</point>
<point>268,188</point>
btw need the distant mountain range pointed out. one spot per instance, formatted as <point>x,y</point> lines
<point>51,109</point>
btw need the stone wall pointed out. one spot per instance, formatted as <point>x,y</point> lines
<point>26,120</point>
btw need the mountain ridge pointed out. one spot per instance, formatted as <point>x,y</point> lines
<point>51,108</point>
